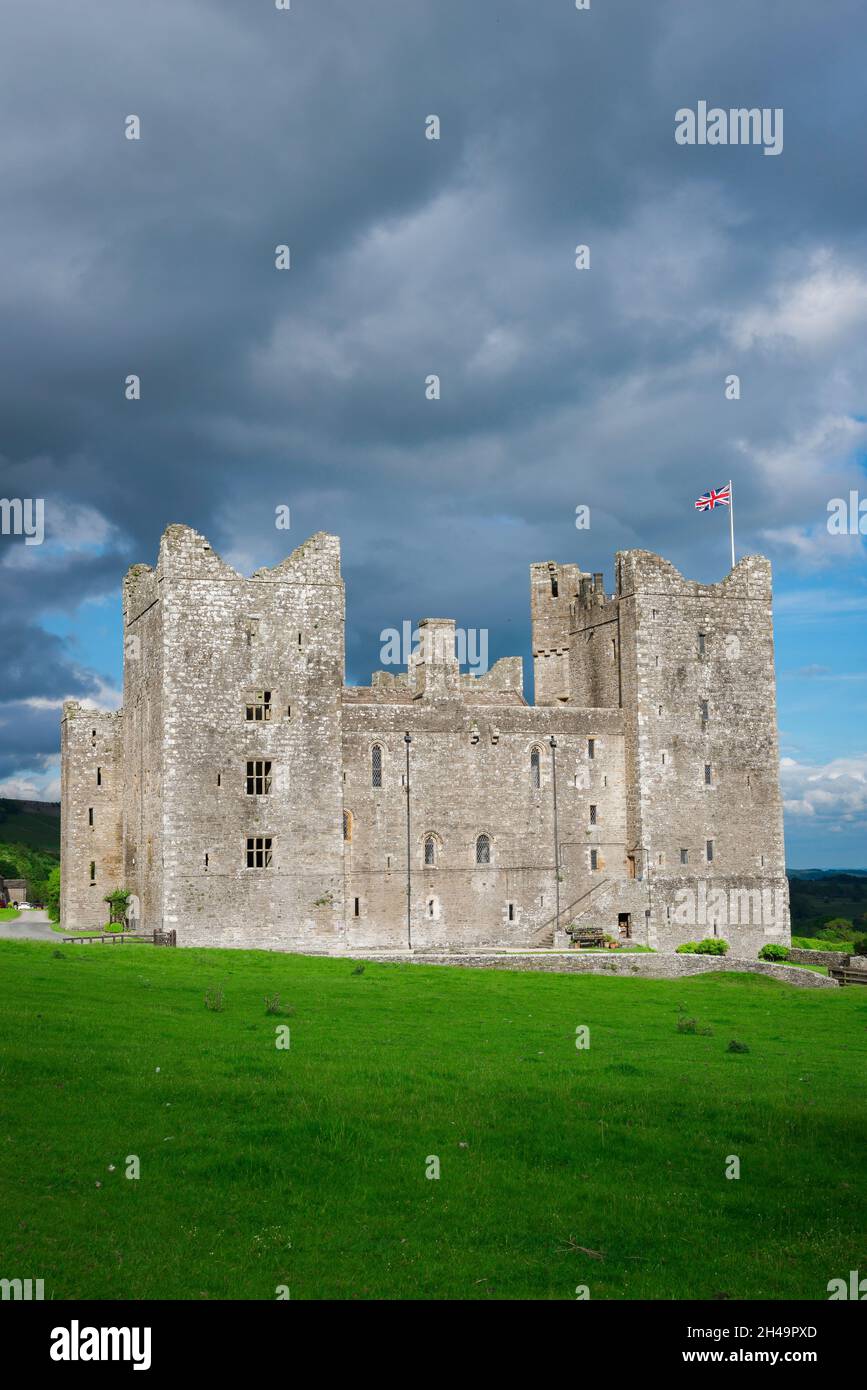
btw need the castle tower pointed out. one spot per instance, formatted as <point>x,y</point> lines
<point>552,594</point>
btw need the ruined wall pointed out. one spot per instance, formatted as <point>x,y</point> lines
<point>91,818</point>
<point>471,773</point>
<point>143,666</point>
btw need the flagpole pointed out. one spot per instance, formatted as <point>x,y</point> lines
<point>732,519</point>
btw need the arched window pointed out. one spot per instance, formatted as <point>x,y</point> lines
<point>535,770</point>
<point>347,825</point>
<point>376,765</point>
<point>483,849</point>
<point>430,850</point>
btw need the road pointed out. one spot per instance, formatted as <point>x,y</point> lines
<point>30,926</point>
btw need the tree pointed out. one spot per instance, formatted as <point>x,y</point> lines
<point>52,894</point>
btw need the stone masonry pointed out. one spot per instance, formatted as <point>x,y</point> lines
<point>247,797</point>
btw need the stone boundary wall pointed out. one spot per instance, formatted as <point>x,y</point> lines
<point>649,967</point>
<point>818,957</point>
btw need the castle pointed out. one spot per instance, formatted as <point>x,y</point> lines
<point>247,797</point>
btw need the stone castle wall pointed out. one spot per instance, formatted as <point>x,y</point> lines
<point>620,684</point>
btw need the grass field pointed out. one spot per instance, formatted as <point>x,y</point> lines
<point>8,914</point>
<point>306,1167</point>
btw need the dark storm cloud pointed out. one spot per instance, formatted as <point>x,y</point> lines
<point>413,257</point>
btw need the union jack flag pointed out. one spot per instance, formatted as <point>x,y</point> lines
<point>716,497</point>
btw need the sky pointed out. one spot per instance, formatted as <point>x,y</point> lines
<point>603,387</point>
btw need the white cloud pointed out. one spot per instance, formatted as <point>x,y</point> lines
<point>835,792</point>
<point>813,310</point>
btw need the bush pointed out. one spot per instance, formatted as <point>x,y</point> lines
<point>735,1046</point>
<point>688,948</point>
<point>691,1025</point>
<point>274,1006</point>
<point>712,946</point>
<point>774,951</point>
<point>215,1000</point>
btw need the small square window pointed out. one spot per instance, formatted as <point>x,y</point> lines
<point>259,851</point>
<point>259,706</point>
<point>258,777</point>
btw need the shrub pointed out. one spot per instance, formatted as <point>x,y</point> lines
<point>774,951</point>
<point>274,1006</point>
<point>688,948</point>
<point>691,1025</point>
<point>712,946</point>
<point>735,1046</point>
<point>359,970</point>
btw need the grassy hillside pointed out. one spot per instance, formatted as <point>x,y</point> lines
<point>306,1167</point>
<point>35,824</point>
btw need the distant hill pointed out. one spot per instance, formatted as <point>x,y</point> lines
<point>35,824</point>
<point>823,873</point>
<point>823,896</point>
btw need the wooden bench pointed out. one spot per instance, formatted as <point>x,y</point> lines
<point>586,937</point>
<point>847,976</point>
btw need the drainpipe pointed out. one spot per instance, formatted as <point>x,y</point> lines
<point>553,743</point>
<point>407,740</point>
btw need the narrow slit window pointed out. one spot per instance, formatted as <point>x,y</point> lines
<point>709,850</point>
<point>705,713</point>
<point>535,770</point>
<point>206,861</point>
<point>99,776</point>
<point>347,825</point>
<point>702,644</point>
<point>684,856</point>
<point>357,908</point>
<point>594,859</point>
<point>591,748</point>
<point>593,814</point>
<point>93,871</point>
<point>376,765</point>
<point>708,780</point>
<point>511,912</point>
<point>430,850</point>
<point>90,815</point>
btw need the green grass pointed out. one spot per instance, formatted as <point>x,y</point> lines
<point>306,1167</point>
<point>8,914</point>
